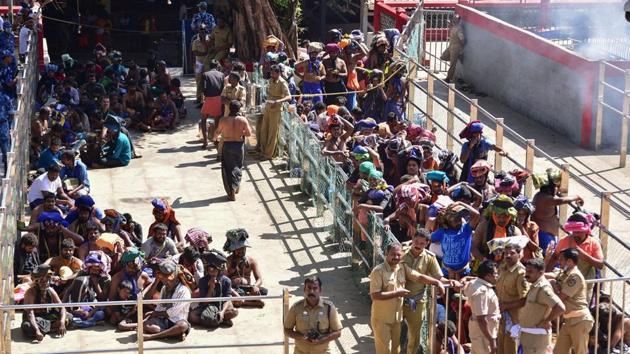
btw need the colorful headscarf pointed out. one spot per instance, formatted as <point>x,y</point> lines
<point>115,218</point>
<point>480,168</point>
<point>236,238</point>
<point>366,167</point>
<point>98,259</point>
<point>134,255</point>
<point>332,48</point>
<point>472,127</point>
<point>439,176</point>
<point>197,237</point>
<point>169,213</point>
<point>51,217</point>
<point>501,205</point>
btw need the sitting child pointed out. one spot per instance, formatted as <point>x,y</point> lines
<point>124,316</point>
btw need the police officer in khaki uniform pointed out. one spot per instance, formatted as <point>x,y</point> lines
<point>571,288</point>
<point>422,261</point>
<point>312,322</point>
<point>511,289</point>
<point>387,290</point>
<point>542,306</point>
<point>277,94</point>
<point>483,325</point>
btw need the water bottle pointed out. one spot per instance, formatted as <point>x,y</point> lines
<point>255,73</point>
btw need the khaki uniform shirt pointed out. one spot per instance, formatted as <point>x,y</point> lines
<point>384,278</point>
<point>512,286</point>
<point>233,93</point>
<point>426,263</point>
<point>276,90</point>
<point>303,318</point>
<point>484,302</point>
<point>540,300</point>
<point>198,46</point>
<point>573,285</point>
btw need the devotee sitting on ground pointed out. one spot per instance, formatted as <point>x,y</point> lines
<point>37,323</point>
<point>26,258</point>
<point>169,319</point>
<point>131,262</point>
<point>51,229</point>
<point>47,182</point>
<point>124,316</point>
<point>214,284</point>
<point>61,279</point>
<point>241,267</point>
<point>165,215</point>
<point>74,175</point>
<point>49,205</point>
<point>159,246</point>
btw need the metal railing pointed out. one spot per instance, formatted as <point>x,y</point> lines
<point>12,192</point>
<point>603,102</point>
<point>8,311</point>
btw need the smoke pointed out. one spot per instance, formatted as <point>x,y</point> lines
<point>594,31</point>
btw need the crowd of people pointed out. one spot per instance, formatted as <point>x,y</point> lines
<point>470,228</point>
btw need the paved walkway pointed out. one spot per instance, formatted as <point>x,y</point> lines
<point>287,240</point>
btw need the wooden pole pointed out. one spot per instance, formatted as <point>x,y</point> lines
<point>474,104</point>
<point>285,311</point>
<point>529,165</point>
<point>599,117</point>
<point>430,90</point>
<point>450,117</point>
<point>498,159</point>
<point>604,222</point>
<point>623,148</point>
<point>564,191</point>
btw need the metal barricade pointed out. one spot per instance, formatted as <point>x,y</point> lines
<point>616,106</point>
<point>12,192</point>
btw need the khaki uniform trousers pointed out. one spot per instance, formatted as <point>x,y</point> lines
<point>535,343</point>
<point>479,343</point>
<point>573,336</point>
<point>386,334</point>
<point>452,54</point>
<point>269,131</point>
<point>414,324</point>
<point>505,343</point>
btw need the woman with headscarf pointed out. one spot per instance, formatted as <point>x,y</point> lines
<point>164,214</point>
<point>525,209</point>
<point>408,199</point>
<point>396,89</point>
<point>336,74</point>
<point>499,221</point>
<point>374,199</point>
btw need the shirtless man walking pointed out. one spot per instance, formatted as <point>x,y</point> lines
<point>234,128</point>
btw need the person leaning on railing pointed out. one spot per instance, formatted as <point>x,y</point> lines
<point>312,322</point>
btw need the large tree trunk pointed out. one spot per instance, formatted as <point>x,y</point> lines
<point>253,21</point>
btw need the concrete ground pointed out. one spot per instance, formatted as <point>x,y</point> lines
<point>287,240</point>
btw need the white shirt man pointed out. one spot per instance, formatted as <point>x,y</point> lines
<point>47,182</point>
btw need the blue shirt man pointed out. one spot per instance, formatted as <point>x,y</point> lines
<point>455,245</point>
<point>203,18</point>
<point>7,40</point>
<point>74,169</point>
<point>120,154</point>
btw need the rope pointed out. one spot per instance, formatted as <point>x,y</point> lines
<point>350,92</point>
<point>109,29</point>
